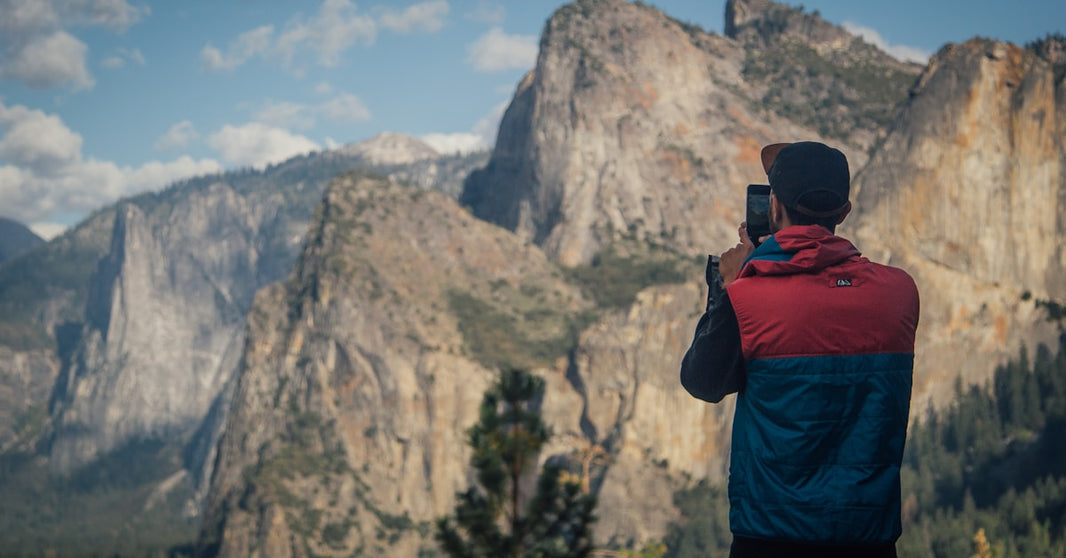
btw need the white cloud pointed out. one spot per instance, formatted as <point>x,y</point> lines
<point>334,29</point>
<point>324,36</point>
<point>285,114</point>
<point>178,136</point>
<point>116,15</point>
<point>486,11</point>
<point>242,49</point>
<point>155,174</point>
<point>496,50</point>
<point>427,16</point>
<point>36,49</point>
<point>459,142</point>
<point>481,137</point>
<point>346,108</point>
<point>37,141</point>
<point>22,17</point>
<point>47,230</point>
<point>258,145</point>
<point>900,52</point>
<point>49,61</point>
<point>323,88</point>
<point>134,55</point>
<point>119,59</point>
<point>44,179</point>
<point>37,15</point>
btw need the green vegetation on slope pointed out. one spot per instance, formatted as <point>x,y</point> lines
<point>614,277</point>
<point>106,509</point>
<point>526,327</point>
<point>828,95</point>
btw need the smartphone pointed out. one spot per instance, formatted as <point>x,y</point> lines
<point>758,213</point>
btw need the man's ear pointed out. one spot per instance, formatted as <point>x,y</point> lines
<point>777,212</point>
<point>844,213</point>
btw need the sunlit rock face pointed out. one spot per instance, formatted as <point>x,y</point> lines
<point>967,193</point>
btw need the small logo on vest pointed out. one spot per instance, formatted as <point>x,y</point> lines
<point>842,282</point>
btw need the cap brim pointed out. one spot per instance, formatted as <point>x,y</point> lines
<point>769,153</point>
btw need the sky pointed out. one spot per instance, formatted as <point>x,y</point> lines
<point>103,99</point>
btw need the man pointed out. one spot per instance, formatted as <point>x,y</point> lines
<point>818,343</point>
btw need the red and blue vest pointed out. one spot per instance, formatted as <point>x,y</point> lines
<point>819,429</point>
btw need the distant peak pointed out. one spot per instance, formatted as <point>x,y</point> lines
<point>391,148</point>
<point>765,21</point>
<point>16,238</point>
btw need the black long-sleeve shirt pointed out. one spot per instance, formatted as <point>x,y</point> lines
<point>713,366</point>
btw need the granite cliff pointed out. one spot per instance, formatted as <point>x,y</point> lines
<point>637,130</point>
<point>356,384</point>
<point>127,330</point>
<point>328,410</point>
<point>968,192</point>
<point>633,124</point>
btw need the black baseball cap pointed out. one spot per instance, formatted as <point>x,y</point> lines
<point>808,176</point>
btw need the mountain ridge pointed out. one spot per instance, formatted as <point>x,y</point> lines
<point>633,136</point>
<point>16,239</point>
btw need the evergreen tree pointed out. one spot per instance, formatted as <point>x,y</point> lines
<point>495,519</point>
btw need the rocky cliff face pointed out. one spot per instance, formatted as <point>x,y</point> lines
<point>27,381</point>
<point>163,332</point>
<point>627,400</point>
<point>357,386</point>
<point>968,192</point>
<point>139,338</point>
<point>41,308</point>
<point>342,423</point>
<point>634,124</point>
<point>631,124</point>
<point>363,372</point>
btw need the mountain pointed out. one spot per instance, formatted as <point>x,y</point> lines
<point>16,238</point>
<point>390,148</point>
<point>166,306</point>
<point>636,132</point>
<point>817,73</point>
<point>292,366</point>
<point>635,125</point>
<point>364,367</point>
<point>129,328</point>
<point>968,192</point>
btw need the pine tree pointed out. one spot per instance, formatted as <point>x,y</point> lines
<point>495,519</point>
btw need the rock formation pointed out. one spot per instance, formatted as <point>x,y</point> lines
<point>356,385</point>
<point>137,339</point>
<point>339,398</point>
<point>968,193</point>
<point>630,125</point>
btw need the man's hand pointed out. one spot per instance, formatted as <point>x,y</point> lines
<point>733,259</point>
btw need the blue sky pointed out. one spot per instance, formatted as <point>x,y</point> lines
<point>101,99</point>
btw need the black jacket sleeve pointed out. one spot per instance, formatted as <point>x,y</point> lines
<point>713,367</point>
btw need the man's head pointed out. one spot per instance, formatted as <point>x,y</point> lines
<point>809,182</point>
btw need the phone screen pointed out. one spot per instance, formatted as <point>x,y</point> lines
<point>758,213</point>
